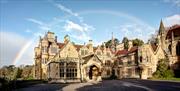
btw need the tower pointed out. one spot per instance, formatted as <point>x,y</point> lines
<point>113,47</point>
<point>66,39</point>
<point>162,34</point>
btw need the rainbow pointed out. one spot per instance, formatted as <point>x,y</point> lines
<point>22,51</point>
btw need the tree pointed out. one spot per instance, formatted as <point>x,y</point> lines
<point>17,73</point>
<point>27,72</point>
<point>137,42</point>
<point>163,70</point>
<point>125,41</point>
<point>109,43</point>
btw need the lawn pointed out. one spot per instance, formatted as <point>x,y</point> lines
<point>168,79</point>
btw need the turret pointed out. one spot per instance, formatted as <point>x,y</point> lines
<point>50,36</point>
<point>104,48</point>
<point>130,44</point>
<point>66,39</point>
<point>90,46</point>
<point>113,47</point>
<point>56,39</point>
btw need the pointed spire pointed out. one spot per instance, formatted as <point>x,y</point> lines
<point>113,44</point>
<point>161,27</point>
<point>112,39</point>
<point>172,36</point>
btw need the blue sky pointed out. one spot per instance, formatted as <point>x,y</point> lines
<point>22,21</point>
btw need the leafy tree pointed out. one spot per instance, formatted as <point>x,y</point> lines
<point>125,41</point>
<point>27,72</point>
<point>163,70</point>
<point>11,72</point>
<point>137,42</point>
<point>7,72</point>
<point>17,73</point>
<point>109,43</point>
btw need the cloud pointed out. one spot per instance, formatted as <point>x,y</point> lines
<point>35,21</point>
<point>172,20</point>
<point>67,10</point>
<point>10,44</point>
<point>70,25</point>
<point>41,25</point>
<point>133,31</point>
<point>73,26</point>
<point>82,37</point>
<point>28,31</point>
<point>175,2</point>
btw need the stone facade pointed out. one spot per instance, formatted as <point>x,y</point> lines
<point>69,62</point>
<point>166,46</point>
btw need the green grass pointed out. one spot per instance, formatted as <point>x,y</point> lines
<point>169,79</point>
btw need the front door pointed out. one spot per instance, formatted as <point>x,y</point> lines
<point>93,72</point>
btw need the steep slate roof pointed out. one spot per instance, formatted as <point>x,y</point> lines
<point>175,29</point>
<point>154,47</point>
<point>61,45</point>
<point>125,51</point>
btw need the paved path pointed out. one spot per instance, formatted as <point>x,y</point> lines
<point>74,87</point>
<point>109,85</point>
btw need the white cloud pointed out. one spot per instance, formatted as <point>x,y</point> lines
<point>73,26</point>
<point>41,25</point>
<point>133,31</point>
<point>82,37</point>
<point>28,31</point>
<point>70,25</point>
<point>10,45</point>
<point>67,10</point>
<point>172,20</point>
<point>175,2</point>
<point>35,21</point>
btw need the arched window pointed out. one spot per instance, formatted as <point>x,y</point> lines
<point>178,49</point>
<point>169,47</point>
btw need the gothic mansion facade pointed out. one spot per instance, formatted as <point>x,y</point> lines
<point>69,62</point>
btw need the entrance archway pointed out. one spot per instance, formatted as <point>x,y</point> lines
<point>93,72</point>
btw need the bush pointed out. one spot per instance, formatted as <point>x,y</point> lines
<point>163,70</point>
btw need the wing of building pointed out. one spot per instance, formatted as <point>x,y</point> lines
<point>68,62</point>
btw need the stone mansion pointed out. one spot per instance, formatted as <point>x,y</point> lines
<point>69,62</point>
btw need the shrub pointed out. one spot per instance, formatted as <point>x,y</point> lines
<point>163,70</point>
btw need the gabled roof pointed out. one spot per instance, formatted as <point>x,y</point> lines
<point>78,47</point>
<point>154,47</point>
<point>125,51</point>
<point>87,58</point>
<point>61,45</point>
